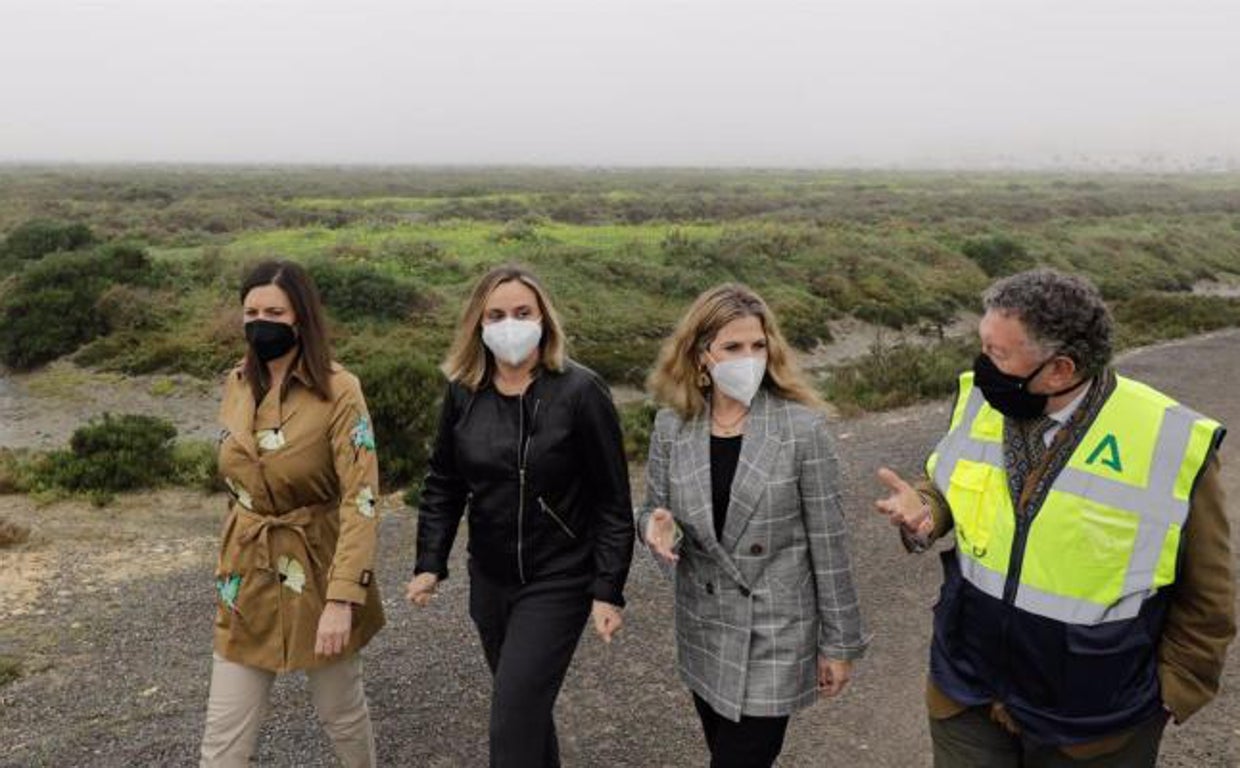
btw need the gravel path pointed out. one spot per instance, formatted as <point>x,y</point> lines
<point>118,676</point>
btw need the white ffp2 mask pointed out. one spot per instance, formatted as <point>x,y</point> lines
<point>740,378</point>
<point>512,340</point>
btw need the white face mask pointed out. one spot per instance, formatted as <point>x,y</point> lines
<point>740,378</point>
<point>512,340</point>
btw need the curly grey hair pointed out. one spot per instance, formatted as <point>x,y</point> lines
<point>1063,314</point>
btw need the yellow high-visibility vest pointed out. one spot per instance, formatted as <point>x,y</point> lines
<point>1107,535</point>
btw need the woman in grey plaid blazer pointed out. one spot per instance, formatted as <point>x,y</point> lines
<point>742,496</point>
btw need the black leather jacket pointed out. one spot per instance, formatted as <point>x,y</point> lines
<point>544,478</point>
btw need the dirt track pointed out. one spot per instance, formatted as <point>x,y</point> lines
<point>116,648</point>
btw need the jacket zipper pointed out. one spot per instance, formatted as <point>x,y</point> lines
<point>1016,557</point>
<point>523,454</point>
<point>547,508</point>
<point>1016,562</point>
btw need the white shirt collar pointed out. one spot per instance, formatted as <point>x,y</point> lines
<point>1063,414</point>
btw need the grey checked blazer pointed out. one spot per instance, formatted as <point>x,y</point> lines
<point>754,610</point>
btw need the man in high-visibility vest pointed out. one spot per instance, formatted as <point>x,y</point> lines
<point>1089,596</point>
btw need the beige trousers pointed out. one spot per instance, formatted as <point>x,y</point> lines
<point>238,703</point>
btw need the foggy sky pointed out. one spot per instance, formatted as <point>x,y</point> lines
<point>619,82</point>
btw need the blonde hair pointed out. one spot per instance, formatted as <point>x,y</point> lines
<point>469,362</point>
<point>674,382</point>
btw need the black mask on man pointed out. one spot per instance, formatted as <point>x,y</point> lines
<point>1010,394</point>
<point>269,339</point>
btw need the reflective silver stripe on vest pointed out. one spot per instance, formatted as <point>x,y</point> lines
<point>988,581</point>
<point>1156,506</point>
<point>1075,611</point>
<point>1169,454</point>
<point>952,447</point>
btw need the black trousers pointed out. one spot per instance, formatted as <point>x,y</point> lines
<point>754,742</point>
<point>529,633</point>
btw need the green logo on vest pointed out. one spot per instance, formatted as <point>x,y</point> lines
<point>1111,446</point>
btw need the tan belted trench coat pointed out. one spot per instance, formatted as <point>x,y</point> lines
<point>302,520</point>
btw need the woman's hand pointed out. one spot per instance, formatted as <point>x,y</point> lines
<point>334,627</point>
<point>607,619</point>
<point>421,589</point>
<point>833,676</point>
<point>660,535</point>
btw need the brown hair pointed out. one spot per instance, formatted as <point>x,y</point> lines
<point>314,356</point>
<point>674,382</point>
<point>469,362</point>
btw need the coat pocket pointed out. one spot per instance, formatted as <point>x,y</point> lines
<point>973,506</point>
<point>1108,666</point>
<point>559,521</point>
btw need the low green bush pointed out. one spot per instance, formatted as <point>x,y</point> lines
<point>52,308</point>
<point>36,238</point>
<point>637,422</point>
<point>354,292</point>
<point>195,464</point>
<point>895,375</point>
<point>1150,317</point>
<point>18,470</point>
<point>111,454</point>
<point>998,255</point>
<point>403,394</point>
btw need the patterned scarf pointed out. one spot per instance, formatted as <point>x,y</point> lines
<point>1026,455</point>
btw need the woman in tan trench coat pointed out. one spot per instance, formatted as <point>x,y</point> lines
<point>295,577</point>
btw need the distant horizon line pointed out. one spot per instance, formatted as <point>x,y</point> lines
<point>1202,167</point>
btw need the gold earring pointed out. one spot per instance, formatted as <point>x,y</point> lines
<point>703,379</point>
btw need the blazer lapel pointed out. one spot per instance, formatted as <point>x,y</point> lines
<point>758,450</point>
<point>695,450</point>
<point>698,517</point>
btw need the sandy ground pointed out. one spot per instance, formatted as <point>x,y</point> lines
<point>41,409</point>
<point>109,612</point>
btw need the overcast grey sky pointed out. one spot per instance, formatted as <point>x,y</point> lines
<point>619,82</point>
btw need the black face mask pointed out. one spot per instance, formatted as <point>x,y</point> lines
<point>1010,394</point>
<point>269,339</point>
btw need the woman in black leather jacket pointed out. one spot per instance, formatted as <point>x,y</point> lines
<point>530,443</point>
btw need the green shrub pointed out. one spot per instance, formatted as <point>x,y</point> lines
<point>637,422</point>
<point>142,353</point>
<point>113,453</point>
<point>624,360</point>
<point>998,255</point>
<point>1151,317</point>
<point>523,230</point>
<point>403,394</point>
<point>124,262</point>
<point>195,464</point>
<point>41,325</point>
<point>52,307</point>
<point>38,237</point>
<point>894,375</point>
<point>18,471</point>
<point>355,292</point>
<point>803,321</point>
<point>126,308</point>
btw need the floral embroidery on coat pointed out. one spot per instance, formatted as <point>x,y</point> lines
<point>228,588</point>
<point>292,575</point>
<point>366,501</point>
<point>269,439</point>
<point>239,493</point>
<point>363,434</point>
